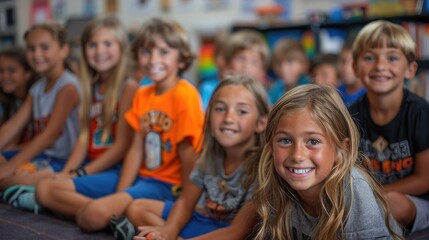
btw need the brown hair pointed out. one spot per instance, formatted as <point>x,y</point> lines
<point>171,32</point>
<point>212,151</point>
<point>57,31</point>
<point>288,49</point>
<point>8,101</point>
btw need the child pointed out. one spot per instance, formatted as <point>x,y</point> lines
<point>310,184</point>
<point>351,88</point>
<point>167,117</point>
<point>393,120</point>
<point>247,52</point>
<point>235,121</point>
<point>16,78</point>
<point>52,105</point>
<point>208,86</point>
<point>290,64</point>
<point>324,69</point>
<point>105,135</point>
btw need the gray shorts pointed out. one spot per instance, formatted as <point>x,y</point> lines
<point>422,214</point>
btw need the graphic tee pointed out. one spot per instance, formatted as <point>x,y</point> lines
<point>223,194</point>
<point>392,148</point>
<point>164,121</point>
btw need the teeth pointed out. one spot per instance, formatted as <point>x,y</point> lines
<point>300,171</point>
<point>380,78</point>
<point>155,68</point>
<point>227,131</point>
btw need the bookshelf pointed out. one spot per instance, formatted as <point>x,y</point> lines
<point>418,22</point>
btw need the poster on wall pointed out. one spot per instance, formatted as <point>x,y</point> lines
<point>217,5</point>
<point>143,6</point>
<point>287,8</point>
<point>58,9</point>
<point>247,6</point>
<point>111,6</point>
<point>185,6</point>
<point>40,11</point>
<point>89,8</point>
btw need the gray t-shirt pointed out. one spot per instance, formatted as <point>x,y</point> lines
<point>366,219</point>
<point>43,103</point>
<point>224,195</point>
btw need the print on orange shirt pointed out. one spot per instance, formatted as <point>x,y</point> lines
<point>152,125</point>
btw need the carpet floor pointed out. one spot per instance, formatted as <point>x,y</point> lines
<point>16,224</point>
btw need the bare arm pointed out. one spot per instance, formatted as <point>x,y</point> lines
<point>65,101</point>
<point>182,209</point>
<point>418,182</point>
<point>14,126</point>
<point>187,157</point>
<point>75,159</point>
<point>132,163</point>
<point>184,206</point>
<point>123,134</point>
<point>240,227</point>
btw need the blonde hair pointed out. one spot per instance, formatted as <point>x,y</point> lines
<point>212,151</point>
<point>274,198</point>
<point>383,33</point>
<point>171,32</point>
<point>89,76</point>
<point>286,49</point>
<point>246,39</point>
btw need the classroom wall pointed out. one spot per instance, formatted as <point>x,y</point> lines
<point>195,18</point>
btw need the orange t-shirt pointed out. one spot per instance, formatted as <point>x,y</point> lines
<point>164,121</point>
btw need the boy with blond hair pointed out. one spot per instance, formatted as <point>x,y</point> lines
<point>247,52</point>
<point>290,63</point>
<point>394,121</point>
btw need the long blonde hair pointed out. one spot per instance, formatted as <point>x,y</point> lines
<point>89,76</point>
<point>274,198</point>
<point>212,151</point>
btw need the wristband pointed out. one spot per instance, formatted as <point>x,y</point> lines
<point>80,172</point>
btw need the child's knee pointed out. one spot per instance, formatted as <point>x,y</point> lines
<point>402,208</point>
<point>93,217</point>
<point>136,208</point>
<point>43,189</point>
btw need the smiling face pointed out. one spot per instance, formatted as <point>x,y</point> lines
<point>383,70</point>
<point>13,77</point>
<point>103,51</point>
<point>161,62</point>
<point>44,53</point>
<point>234,118</point>
<point>303,154</point>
